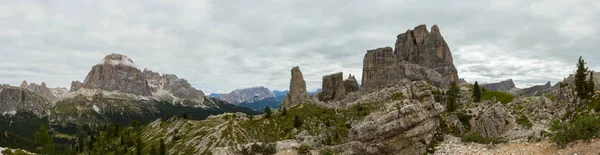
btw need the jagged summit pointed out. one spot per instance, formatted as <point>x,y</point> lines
<point>117,59</point>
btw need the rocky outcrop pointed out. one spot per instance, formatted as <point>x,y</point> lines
<point>427,49</point>
<point>117,73</point>
<point>571,80</point>
<point>247,95</point>
<point>403,126</point>
<point>538,90</point>
<point>350,84</point>
<point>419,55</point>
<point>503,86</point>
<point>380,69</point>
<point>297,93</point>
<point>333,87</point>
<point>493,121</point>
<point>17,99</point>
<point>75,85</point>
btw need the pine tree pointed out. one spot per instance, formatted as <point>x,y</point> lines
<point>267,112</point>
<point>297,122</point>
<point>581,86</point>
<point>284,111</point>
<point>162,148</point>
<point>138,146</point>
<point>591,85</point>
<point>476,92</point>
<point>453,94</point>
<point>42,138</point>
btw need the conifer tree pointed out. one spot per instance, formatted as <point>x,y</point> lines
<point>581,85</point>
<point>162,148</point>
<point>297,122</point>
<point>267,112</point>
<point>453,94</point>
<point>284,111</point>
<point>476,92</point>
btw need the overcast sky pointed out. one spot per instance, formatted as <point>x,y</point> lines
<point>221,45</point>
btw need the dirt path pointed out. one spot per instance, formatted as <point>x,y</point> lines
<point>452,145</point>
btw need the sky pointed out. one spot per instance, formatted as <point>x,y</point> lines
<point>222,45</point>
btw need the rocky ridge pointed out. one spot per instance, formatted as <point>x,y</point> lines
<point>247,95</point>
<point>504,86</point>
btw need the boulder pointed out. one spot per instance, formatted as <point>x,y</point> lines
<point>297,92</point>
<point>493,120</point>
<point>117,73</point>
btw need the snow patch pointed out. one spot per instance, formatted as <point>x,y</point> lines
<point>124,61</point>
<point>96,108</point>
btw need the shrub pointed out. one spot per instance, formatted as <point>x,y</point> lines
<point>502,97</point>
<point>524,121</point>
<point>580,127</point>
<point>304,150</point>
<point>264,148</point>
<point>297,122</point>
<point>397,96</point>
<point>464,120</point>
<point>326,152</point>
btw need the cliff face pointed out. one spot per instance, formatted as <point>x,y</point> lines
<point>17,99</point>
<point>427,49</point>
<point>170,84</point>
<point>419,55</point>
<point>117,72</point>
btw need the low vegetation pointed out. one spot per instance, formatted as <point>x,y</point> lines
<point>501,97</point>
<point>478,138</point>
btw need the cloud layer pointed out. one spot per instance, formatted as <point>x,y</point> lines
<point>221,45</point>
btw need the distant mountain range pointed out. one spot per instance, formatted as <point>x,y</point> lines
<point>114,91</point>
<point>509,87</point>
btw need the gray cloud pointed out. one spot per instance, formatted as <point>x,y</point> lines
<point>221,45</point>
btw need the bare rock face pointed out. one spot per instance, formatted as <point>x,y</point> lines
<point>427,49</point>
<point>16,99</point>
<point>493,121</point>
<point>504,86</point>
<point>333,87</point>
<point>379,69</point>
<point>298,92</point>
<point>75,85</point>
<point>350,84</point>
<point>24,84</point>
<point>171,84</point>
<point>117,72</point>
<point>402,127</point>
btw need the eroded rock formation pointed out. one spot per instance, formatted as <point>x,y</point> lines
<point>427,49</point>
<point>297,89</point>
<point>402,127</point>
